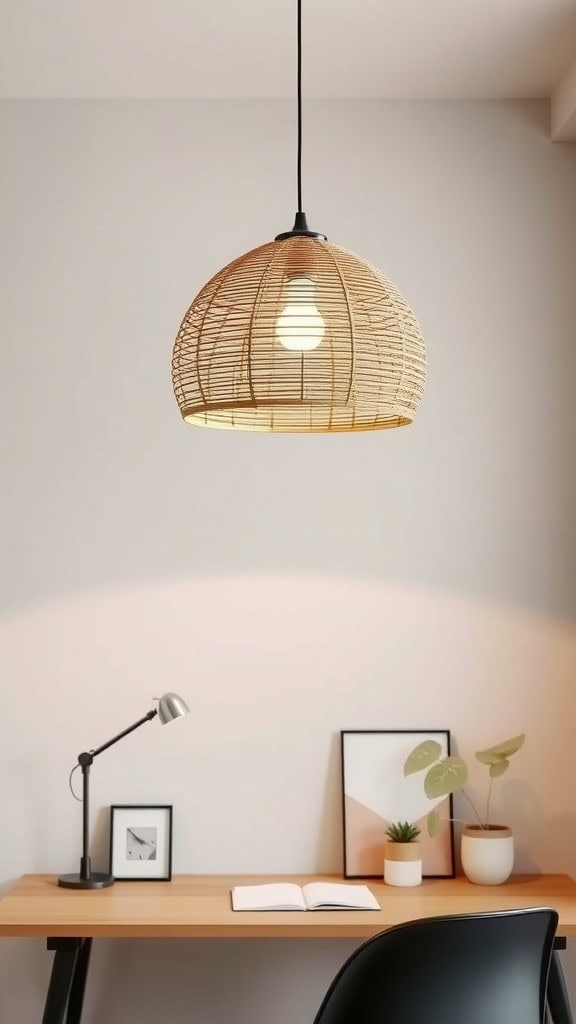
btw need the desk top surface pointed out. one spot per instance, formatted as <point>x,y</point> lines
<point>198,906</point>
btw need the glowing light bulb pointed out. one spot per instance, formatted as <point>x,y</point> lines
<point>300,327</point>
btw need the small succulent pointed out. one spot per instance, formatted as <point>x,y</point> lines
<point>402,832</point>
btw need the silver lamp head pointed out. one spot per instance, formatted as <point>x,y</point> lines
<point>171,706</point>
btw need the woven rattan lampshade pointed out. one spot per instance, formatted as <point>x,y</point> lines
<point>230,368</point>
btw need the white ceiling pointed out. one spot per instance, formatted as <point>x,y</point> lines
<point>380,48</point>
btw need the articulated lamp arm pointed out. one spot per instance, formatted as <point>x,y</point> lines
<point>86,758</point>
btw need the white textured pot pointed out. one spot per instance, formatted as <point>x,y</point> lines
<point>487,854</point>
<point>402,864</point>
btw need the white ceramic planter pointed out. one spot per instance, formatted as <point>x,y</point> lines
<point>487,854</point>
<point>402,864</point>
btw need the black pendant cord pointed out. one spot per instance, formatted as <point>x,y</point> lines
<point>299,93</point>
<point>300,228</point>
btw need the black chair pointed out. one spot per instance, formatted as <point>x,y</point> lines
<point>467,969</point>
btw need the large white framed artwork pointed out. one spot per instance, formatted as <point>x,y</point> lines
<point>375,792</point>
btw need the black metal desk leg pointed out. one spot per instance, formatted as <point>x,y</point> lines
<point>68,980</point>
<point>558,1003</point>
<point>76,999</point>
<point>66,951</point>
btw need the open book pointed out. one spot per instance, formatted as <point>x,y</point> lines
<point>313,896</point>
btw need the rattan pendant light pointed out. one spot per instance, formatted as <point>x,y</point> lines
<point>299,335</point>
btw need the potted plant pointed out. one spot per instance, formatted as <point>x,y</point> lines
<point>402,854</point>
<point>487,849</point>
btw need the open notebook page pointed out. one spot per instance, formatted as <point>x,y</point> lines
<point>270,896</point>
<point>338,896</point>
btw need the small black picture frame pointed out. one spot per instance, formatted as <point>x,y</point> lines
<point>375,793</point>
<point>141,842</point>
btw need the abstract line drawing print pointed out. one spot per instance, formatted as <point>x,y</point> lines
<point>141,843</point>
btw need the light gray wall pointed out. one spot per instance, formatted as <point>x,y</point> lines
<point>287,586</point>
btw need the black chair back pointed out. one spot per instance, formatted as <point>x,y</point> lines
<point>467,969</point>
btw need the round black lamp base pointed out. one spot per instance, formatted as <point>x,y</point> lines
<point>97,880</point>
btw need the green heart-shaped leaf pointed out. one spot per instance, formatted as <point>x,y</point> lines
<point>492,755</point>
<point>422,756</point>
<point>433,824</point>
<point>498,769</point>
<point>447,777</point>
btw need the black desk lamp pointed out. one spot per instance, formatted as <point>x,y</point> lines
<point>170,706</point>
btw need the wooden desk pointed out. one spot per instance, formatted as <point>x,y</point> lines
<point>198,906</point>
